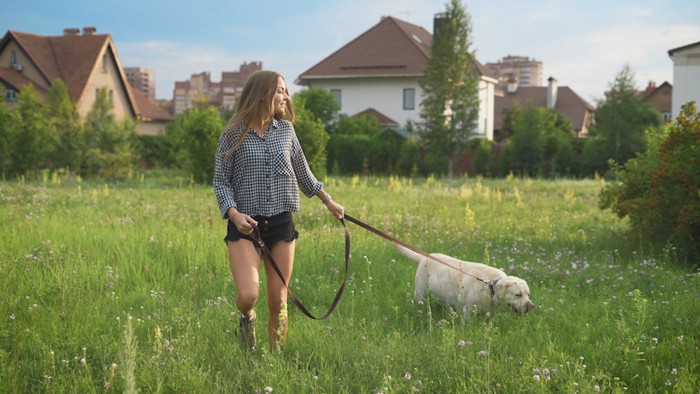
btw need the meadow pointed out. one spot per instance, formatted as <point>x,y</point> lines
<point>126,287</point>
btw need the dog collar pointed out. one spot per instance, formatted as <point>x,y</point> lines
<point>492,284</point>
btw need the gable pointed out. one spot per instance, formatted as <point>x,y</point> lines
<point>392,47</point>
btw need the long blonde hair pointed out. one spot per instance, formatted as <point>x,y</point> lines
<point>255,103</point>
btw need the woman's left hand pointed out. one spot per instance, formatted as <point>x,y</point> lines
<point>336,209</point>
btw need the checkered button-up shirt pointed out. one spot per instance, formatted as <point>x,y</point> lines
<point>261,176</point>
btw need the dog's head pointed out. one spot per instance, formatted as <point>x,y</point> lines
<point>514,292</point>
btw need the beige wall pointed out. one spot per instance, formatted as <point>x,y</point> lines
<point>109,78</point>
<point>28,69</point>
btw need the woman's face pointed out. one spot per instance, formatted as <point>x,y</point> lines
<point>281,97</point>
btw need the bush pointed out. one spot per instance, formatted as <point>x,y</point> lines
<point>660,190</point>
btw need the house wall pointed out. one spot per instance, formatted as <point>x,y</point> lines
<point>383,94</point>
<point>386,96</point>
<point>686,78</point>
<point>106,77</point>
<point>28,68</point>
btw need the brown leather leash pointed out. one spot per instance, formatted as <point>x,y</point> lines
<point>258,238</point>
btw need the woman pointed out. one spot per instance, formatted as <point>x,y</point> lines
<point>260,166</point>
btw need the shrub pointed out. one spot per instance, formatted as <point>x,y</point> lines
<point>660,190</point>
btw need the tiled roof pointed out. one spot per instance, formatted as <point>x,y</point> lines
<point>147,109</point>
<point>11,77</point>
<point>72,58</point>
<point>383,120</point>
<point>69,57</point>
<point>568,104</point>
<point>389,49</point>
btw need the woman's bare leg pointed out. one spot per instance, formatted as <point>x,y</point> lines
<point>278,323</point>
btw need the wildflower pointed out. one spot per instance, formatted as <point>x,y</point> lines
<point>268,389</point>
<point>407,376</point>
<point>483,353</point>
<point>596,389</point>
<point>674,371</point>
<point>12,316</point>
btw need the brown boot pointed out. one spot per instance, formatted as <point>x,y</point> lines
<point>246,332</point>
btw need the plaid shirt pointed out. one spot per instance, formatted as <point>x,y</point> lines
<point>262,175</point>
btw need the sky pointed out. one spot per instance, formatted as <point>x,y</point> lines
<point>583,44</point>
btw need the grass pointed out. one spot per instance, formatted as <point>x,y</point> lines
<point>126,287</point>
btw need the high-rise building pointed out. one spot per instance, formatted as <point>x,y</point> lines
<point>520,70</point>
<point>143,80</point>
<point>222,95</point>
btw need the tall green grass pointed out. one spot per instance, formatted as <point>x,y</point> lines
<point>113,288</point>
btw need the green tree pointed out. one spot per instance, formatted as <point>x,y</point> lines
<point>202,127</point>
<point>8,123</point>
<point>312,136</point>
<point>70,146</point>
<point>320,103</point>
<point>450,107</point>
<point>620,122</point>
<point>110,145</point>
<point>660,190</point>
<point>35,137</point>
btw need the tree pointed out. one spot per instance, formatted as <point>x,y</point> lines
<point>202,128</point>
<point>450,106</point>
<point>312,136</point>
<point>35,138</point>
<point>8,122</point>
<point>320,103</point>
<point>70,145</point>
<point>658,190</point>
<point>620,122</point>
<point>110,150</point>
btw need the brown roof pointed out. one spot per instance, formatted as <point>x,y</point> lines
<point>392,48</point>
<point>659,97</point>
<point>568,104</point>
<point>69,57</point>
<point>147,109</point>
<point>73,58</point>
<point>15,79</point>
<point>383,120</point>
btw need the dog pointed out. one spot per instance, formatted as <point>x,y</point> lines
<point>465,286</point>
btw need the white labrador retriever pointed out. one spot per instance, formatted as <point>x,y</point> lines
<point>460,284</point>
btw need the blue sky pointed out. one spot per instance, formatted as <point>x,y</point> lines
<point>583,44</point>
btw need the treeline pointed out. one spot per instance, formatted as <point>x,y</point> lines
<point>47,133</point>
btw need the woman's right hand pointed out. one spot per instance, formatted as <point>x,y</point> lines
<point>243,222</point>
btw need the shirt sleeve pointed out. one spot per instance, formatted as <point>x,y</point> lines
<point>306,180</point>
<point>223,174</point>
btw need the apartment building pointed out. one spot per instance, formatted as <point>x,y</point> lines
<point>222,95</point>
<point>143,80</point>
<point>521,70</point>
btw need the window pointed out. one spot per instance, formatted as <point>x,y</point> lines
<point>13,58</point>
<point>104,63</point>
<point>409,99</point>
<point>337,96</point>
<point>10,95</point>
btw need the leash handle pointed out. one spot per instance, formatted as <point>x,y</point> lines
<point>258,238</point>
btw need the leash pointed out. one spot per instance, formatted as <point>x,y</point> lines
<point>258,238</point>
<point>490,283</point>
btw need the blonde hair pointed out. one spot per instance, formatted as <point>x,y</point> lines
<point>255,104</point>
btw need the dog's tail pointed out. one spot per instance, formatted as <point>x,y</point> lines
<point>409,253</point>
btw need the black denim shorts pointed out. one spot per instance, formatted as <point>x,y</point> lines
<point>272,229</point>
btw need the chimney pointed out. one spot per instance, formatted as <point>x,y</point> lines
<point>89,31</point>
<point>438,22</point>
<point>552,93</point>
<point>71,31</point>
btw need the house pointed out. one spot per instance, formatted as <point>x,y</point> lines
<point>87,63</point>
<point>659,97</point>
<point>686,76</point>
<point>553,96</point>
<point>380,69</point>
